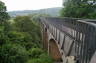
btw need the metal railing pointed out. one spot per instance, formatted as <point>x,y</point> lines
<point>76,37</point>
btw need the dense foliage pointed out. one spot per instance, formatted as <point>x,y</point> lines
<point>3,14</point>
<point>3,23</point>
<point>23,42</point>
<point>79,9</point>
<point>20,39</point>
<point>13,53</point>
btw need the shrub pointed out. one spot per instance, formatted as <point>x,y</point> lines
<point>35,52</point>
<point>29,45</point>
<point>16,36</point>
<point>13,53</point>
<point>39,56</point>
<point>44,58</point>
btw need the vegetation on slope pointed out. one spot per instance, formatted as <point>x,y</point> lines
<point>20,40</point>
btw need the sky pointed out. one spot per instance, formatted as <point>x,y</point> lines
<point>14,5</point>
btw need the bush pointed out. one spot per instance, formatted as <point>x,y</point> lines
<point>39,56</point>
<point>29,45</point>
<point>35,52</point>
<point>19,37</point>
<point>16,36</point>
<point>13,53</point>
<point>44,58</point>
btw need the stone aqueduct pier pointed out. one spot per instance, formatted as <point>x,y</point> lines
<point>69,40</point>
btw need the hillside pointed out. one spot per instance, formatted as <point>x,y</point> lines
<point>50,11</point>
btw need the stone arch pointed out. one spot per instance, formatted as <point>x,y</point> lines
<point>54,50</point>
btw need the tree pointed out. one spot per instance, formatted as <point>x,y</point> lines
<point>4,26</point>
<point>4,17</point>
<point>23,23</point>
<point>13,53</point>
<point>79,9</point>
<point>26,25</point>
<point>3,14</point>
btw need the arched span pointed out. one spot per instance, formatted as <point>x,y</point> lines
<point>54,51</point>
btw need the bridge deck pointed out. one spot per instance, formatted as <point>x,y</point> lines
<point>76,37</point>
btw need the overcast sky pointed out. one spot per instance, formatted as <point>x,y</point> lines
<point>13,5</point>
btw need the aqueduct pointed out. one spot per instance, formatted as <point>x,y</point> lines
<point>69,40</point>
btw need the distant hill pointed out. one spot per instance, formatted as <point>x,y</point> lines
<point>50,11</point>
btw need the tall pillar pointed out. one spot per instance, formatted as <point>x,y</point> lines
<point>45,39</point>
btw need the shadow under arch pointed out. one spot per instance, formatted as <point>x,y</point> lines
<point>54,50</point>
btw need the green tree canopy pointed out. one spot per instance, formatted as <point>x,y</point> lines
<point>79,9</point>
<point>4,26</point>
<point>3,14</point>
